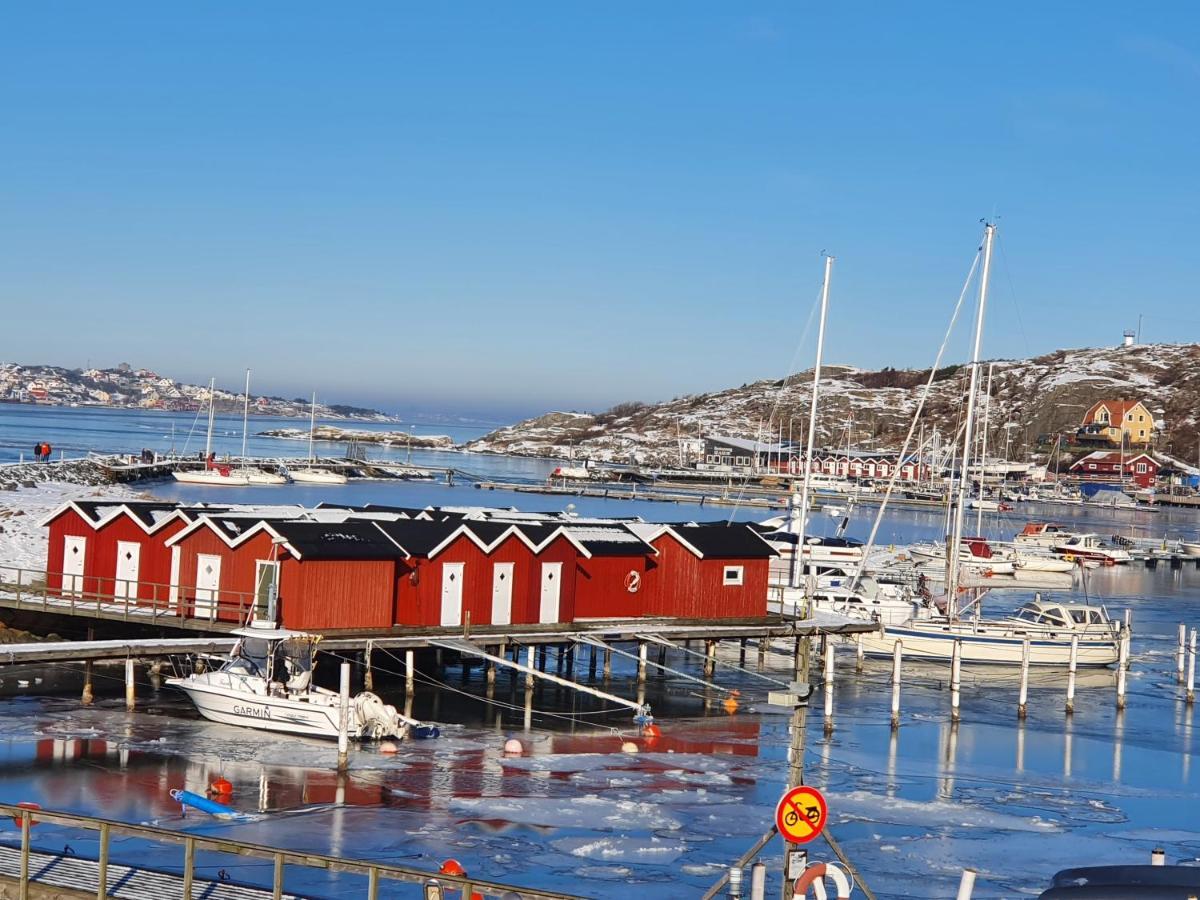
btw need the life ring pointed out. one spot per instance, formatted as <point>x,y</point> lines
<point>814,877</point>
<point>633,581</point>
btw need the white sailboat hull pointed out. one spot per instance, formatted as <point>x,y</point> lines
<point>990,644</point>
<point>317,476</point>
<point>212,477</point>
<point>257,476</point>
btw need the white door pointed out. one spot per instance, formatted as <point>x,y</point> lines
<point>173,587</point>
<point>551,589</point>
<point>452,593</point>
<point>502,576</point>
<point>129,555</point>
<point>208,584</point>
<point>74,551</point>
<point>266,584</point>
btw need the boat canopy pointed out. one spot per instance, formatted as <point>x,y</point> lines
<point>271,634</point>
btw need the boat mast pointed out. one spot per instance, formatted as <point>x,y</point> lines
<point>956,538</point>
<point>312,427</point>
<point>208,440</point>
<point>799,521</point>
<point>245,415</point>
<point>987,412</point>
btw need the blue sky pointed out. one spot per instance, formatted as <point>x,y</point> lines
<point>502,208</point>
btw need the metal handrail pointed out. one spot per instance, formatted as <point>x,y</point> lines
<point>280,857</point>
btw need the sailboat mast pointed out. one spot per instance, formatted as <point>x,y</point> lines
<point>208,440</point>
<point>987,412</point>
<point>245,415</point>
<point>798,522</point>
<point>312,427</point>
<point>969,427</point>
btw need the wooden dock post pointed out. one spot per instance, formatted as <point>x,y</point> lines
<point>829,688</point>
<point>710,659</point>
<point>1191,668</point>
<point>607,663</point>
<point>592,663</point>
<point>641,669</point>
<point>88,696</point>
<point>741,653</point>
<point>559,659</point>
<point>368,675</point>
<point>1072,665</point>
<point>955,680</point>
<point>897,653</point>
<point>1023,691</point>
<point>343,757</point>
<point>529,690</point>
<point>130,688</point>
<point>762,652</point>
<point>541,658</point>
<point>410,674</point>
<point>1180,653</point>
<point>1122,666</point>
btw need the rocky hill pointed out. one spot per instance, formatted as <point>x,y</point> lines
<point>1034,397</point>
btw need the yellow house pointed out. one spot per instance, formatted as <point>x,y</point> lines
<point>1109,418</point>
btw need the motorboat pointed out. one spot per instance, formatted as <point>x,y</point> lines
<point>1190,548</point>
<point>975,554</point>
<point>1035,560</point>
<point>1048,627</point>
<point>261,477</point>
<point>1043,534</point>
<point>818,552</point>
<point>1091,547</point>
<point>267,683</point>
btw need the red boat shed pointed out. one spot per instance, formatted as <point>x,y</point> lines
<point>113,549</point>
<point>708,571</point>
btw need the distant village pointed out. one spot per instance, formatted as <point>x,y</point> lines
<point>124,387</point>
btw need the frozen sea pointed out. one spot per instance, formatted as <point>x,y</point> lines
<point>1016,801</point>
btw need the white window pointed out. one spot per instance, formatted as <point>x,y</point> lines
<point>1091,465</point>
<point>742,460</point>
<point>1141,468</point>
<point>732,575</point>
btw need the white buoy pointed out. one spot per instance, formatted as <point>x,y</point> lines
<point>513,747</point>
<point>388,748</point>
<point>629,747</point>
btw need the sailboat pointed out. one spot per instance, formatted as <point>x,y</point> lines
<point>312,475</point>
<point>214,474</point>
<point>253,474</point>
<point>1049,629</point>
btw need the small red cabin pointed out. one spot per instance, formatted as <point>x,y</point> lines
<point>709,572</point>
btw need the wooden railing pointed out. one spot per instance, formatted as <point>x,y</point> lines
<point>116,598</point>
<point>373,871</point>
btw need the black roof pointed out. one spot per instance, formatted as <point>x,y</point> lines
<point>417,537</point>
<point>609,540</point>
<point>233,527</point>
<point>487,532</point>
<point>143,510</point>
<point>726,541</point>
<point>337,540</point>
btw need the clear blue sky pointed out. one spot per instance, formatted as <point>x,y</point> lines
<point>512,206</point>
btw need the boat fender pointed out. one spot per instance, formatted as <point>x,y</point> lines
<point>187,798</point>
<point>815,874</point>
<point>425,732</point>
<point>1069,557</point>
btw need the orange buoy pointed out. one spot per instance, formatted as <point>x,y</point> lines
<point>26,804</point>
<point>652,731</point>
<point>452,867</point>
<point>221,786</point>
<point>730,705</point>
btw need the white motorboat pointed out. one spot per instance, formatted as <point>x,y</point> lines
<point>1048,628</point>
<point>1189,548</point>
<point>818,552</point>
<point>1040,561</point>
<point>1091,547</point>
<point>267,684</point>
<point>1043,534</point>
<point>975,554</point>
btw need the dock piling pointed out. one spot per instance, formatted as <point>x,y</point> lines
<point>1024,696</point>
<point>710,659</point>
<point>1122,666</point>
<point>88,695</point>
<point>829,688</point>
<point>762,653</point>
<point>368,675</point>
<point>897,653</point>
<point>343,759</point>
<point>1072,665</point>
<point>592,663</point>
<point>1180,653</point>
<point>529,675</point>
<point>410,674</point>
<point>641,669</point>
<point>955,680</point>
<point>607,663</point>
<point>1191,668</point>
<point>130,689</point>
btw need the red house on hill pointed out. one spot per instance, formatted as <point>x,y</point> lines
<point>1105,465</point>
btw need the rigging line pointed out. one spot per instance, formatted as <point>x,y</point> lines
<point>674,672</point>
<point>727,665</point>
<point>912,427</point>
<point>791,370</point>
<point>1013,292</point>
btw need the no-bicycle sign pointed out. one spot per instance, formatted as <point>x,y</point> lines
<point>800,815</point>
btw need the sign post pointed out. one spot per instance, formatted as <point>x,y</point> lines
<point>800,817</point>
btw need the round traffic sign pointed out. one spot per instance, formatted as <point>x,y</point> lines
<point>800,815</point>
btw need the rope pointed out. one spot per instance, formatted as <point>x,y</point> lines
<point>665,643</point>
<point>675,672</point>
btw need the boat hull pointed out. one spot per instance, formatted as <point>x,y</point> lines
<point>278,714</point>
<point>211,478</point>
<point>936,643</point>
<point>315,476</point>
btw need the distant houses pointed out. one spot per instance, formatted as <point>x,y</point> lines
<point>742,456</point>
<point>1112,465</point>
<point>1116,422</point>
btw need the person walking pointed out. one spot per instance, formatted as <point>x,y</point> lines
<point>49,450</point>
<point>37,452</point>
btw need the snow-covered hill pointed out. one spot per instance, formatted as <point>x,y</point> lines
<point>1034,397</point>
